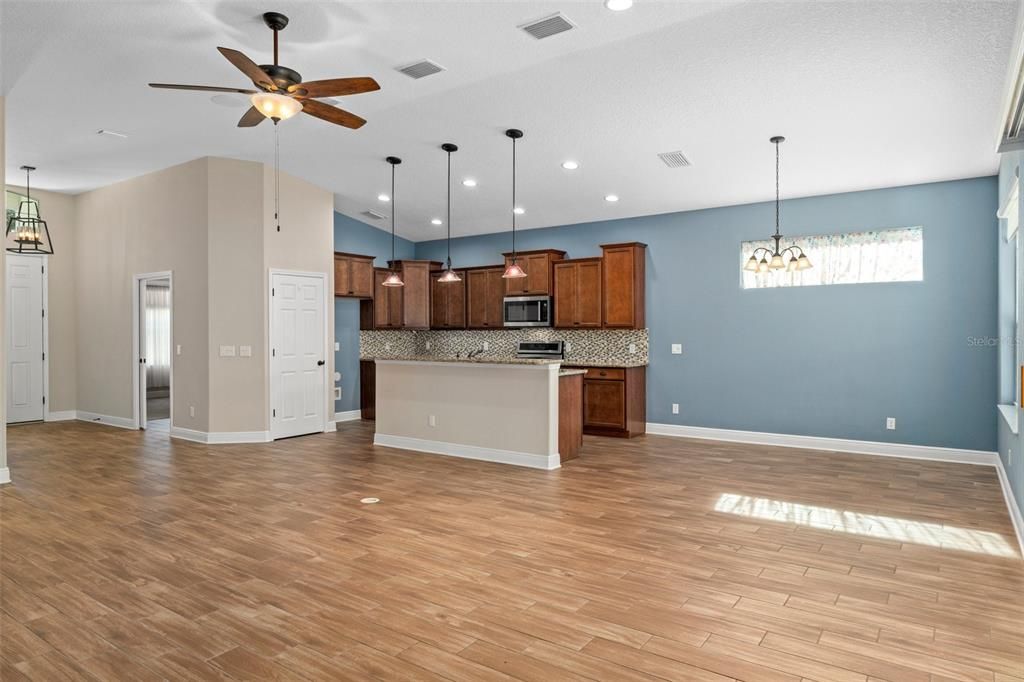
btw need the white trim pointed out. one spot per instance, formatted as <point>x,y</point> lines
<point>436,447</point>
<point>863,447</point>
<point>5,476</point>
<point>1009,413</point>
<point>61,416</point>
<point>348,416</point>
<point>1011,504</point>
<point>139,406</point>
<point>119,422</point>
<point>220,437</point>
<point>328,355</point>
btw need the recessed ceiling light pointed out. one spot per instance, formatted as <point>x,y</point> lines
<point>469,182</point>
<point>518,210</point>
<point>618,5</point>
<point>612,197</point>
<point>437,221</point>
<point>383,197</point>
<point>570,165</point>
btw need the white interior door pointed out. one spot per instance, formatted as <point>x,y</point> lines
<point>24,338</point>
<point>297,356</point>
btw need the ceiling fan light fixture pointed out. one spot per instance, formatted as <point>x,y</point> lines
<point>275,106</point>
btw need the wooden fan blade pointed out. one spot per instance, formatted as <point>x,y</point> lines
<point>335,87</point>
<point>251,118</point>
<point>203,88</point>
<point>248,67</point>
<point>332,114</point>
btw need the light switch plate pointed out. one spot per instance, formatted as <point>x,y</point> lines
<point>179,349</point>
<point>890,423</point>
<point>677,349</point>
<point>227,351</point>
<point>632,348</point>
<point>675,408</point>
<point>245,351</point>
<point>337,392</point>
<point>337,346</point>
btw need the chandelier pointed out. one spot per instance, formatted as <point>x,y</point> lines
<point>772,259</point>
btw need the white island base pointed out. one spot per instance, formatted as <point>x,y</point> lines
<point>499,412</point>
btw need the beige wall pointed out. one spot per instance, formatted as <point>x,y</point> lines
<point>59,212</point>
<point>4,474</point>
<point>147,224</point>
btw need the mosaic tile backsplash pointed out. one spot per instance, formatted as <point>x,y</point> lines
<point>605,346</point>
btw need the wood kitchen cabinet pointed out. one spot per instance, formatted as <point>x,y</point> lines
<point>578,295</point>
<point>448,302</point>
<point>367,389</point>
<point>485,296</point>
<point>353,275</point>
<point>404,307</point>
<point>622,284</point>
<point>615,401</point>
<point>537,266</point>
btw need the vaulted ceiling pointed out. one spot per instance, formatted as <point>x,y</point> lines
<point>868,94</point>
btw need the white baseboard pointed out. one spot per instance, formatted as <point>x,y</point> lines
<point>120,422</point>
<point>220,437</point>
<point>1011,504</point>
<point>5,476</point>
<point>348,416</point>
<point>436,447</point>
<point>862,447</point>
<point>61,416</point>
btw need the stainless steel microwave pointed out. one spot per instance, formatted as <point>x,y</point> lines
<point>528,311</point>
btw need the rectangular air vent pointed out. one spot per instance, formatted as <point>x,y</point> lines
<point>421,69</point>
<point>548,26</point>
<point>373,215</point>
<point>674,159</point>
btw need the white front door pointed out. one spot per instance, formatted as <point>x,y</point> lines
<point>25,320</point>
<point>297,355</point>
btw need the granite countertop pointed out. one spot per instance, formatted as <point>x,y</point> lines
<point>570,372</point>
<point>581,362</point>
<point>479,359</point>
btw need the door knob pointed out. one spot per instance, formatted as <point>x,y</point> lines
<point>319,363</point>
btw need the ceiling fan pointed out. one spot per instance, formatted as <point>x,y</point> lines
<point>281,93</point>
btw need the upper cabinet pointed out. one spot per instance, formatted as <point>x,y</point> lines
<point>448,302</point>
<point>537,266</point>
<point>353,275</point>
<point>578,293</point>
<point>485,294</point>
<point>622,284</point>
<point>404,307</point>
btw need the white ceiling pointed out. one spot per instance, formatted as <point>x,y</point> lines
<point>869,94</point>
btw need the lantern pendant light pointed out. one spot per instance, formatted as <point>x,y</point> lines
<point>514,270</point>
<point>27,228</point>
<point>772,259</point>
<point>449,275</point>
<point>394,279</point>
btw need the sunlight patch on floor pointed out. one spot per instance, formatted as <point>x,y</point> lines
<point>870,525</point>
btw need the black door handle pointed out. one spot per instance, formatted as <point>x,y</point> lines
<point>319,363</point>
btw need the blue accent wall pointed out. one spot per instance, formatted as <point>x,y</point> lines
<point>353,236</point>
<point>830,361</point>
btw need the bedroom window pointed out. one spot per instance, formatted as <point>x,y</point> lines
<point>893,255</point>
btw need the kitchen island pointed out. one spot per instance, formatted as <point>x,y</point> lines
<point>499,410</point>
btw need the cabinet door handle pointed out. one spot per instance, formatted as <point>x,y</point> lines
<point>604,374</point>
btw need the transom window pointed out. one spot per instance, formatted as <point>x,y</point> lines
<point>893,255</point>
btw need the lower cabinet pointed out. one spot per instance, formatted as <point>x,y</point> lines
<point>615,401</point>
<point>367,389</point>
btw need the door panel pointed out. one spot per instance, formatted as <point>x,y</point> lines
<point>604,403</point>
<point>588,294</point>
<point>297,375</point>
<point>24,338</point>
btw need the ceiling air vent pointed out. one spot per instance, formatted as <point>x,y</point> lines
<point>548,26</point>
<point>674,159</point>
<point>373,215</point>
<point>421,69</point>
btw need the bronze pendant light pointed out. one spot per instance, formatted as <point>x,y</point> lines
<point>514,270</point>
<point>449,275</point>
<point>394,279</point>
<point>26,227</point>
<point>797,259</point>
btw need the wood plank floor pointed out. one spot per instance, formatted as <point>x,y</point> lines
<point>128,556</point>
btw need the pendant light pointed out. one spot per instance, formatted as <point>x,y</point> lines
<point>449,275</point>
<point>513,270</point>
<point>394,279</point>
<point>772,259</point>
<point>26,227</point>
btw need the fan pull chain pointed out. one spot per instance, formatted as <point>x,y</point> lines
<point>277,175</point>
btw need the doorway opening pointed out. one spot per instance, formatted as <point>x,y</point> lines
<point>154,351</point>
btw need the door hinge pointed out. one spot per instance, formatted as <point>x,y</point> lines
<point>44,356</point>
<point>275,412</point>
<point>273,352</point>
<point>44,312</point>
<point>272,291</point>
<point>44,400</point>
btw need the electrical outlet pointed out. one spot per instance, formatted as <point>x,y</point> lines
<point>337,346</point>
<point>568,347</point>
<point>387,346</point>
<point>486,346</point>
<point>245,351</point>
<point>337,392</point>
<point>675,408</point>
<point>179,349</point>
<point>227,351</point>
<point>428,345</point>
<point>677,349</point>
<point>632,348</point>
<point>191,410</point>
<point>890,423</point>
<point>432,420</point>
